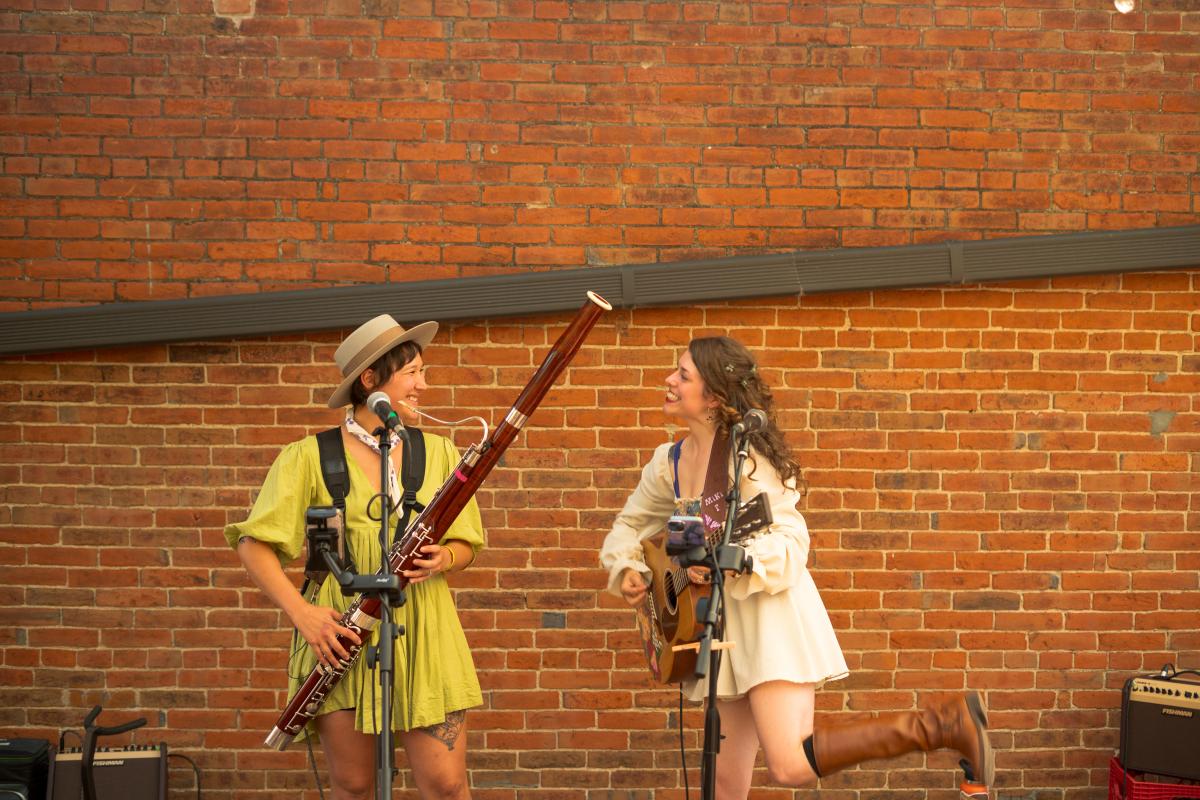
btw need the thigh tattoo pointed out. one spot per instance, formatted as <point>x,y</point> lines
<point>447,732</point>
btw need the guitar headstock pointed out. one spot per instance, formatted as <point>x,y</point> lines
<point>752,516</point>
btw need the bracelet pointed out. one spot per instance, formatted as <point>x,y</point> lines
<point>449,550</point>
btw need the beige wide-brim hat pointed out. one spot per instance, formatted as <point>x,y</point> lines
<point>368,342</point>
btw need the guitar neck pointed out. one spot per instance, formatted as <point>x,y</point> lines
<point>752,516</point>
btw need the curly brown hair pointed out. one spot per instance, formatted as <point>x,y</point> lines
<point>730,375</point>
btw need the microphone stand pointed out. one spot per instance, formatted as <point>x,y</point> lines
<point>386,586</point>
<point>721,557</point>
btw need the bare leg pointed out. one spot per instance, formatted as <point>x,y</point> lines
<point>437,756</point>
<point>350,755</point>
<point>783,717</point>
<point>739,746</point>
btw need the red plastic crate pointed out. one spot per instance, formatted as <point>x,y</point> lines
<point>1119,782</point>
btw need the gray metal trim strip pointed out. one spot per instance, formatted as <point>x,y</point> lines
<point>630,285</point>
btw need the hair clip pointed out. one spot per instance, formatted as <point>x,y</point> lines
<point>729,368</point>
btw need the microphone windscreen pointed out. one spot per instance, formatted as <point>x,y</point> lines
<point>754,420</point>
<point>377,398</point>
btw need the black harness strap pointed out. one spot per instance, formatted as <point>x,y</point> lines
<point>412,475</point>
<point>332,452</point>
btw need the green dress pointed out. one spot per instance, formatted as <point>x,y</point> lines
<point>434,671</point>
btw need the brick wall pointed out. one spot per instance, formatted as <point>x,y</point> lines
<point>1001,487</point>
<point>1002,479</point>
<point>179,148</point>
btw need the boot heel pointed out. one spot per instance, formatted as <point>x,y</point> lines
<point>979,715</point>
<point>975,704</point>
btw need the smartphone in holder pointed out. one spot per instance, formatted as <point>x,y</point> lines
<point>684,533</point>
<point>325,529</point>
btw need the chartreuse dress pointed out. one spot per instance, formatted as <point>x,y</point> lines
<point>434,671</point>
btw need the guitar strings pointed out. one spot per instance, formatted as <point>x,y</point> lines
<point>679,579</point>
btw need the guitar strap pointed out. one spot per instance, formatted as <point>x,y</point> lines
<point>713,505</point>
<point>713,508</point>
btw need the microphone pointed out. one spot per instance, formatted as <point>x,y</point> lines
<point>381,404</point>
<point>753,420</point>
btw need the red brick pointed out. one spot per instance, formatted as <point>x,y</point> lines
<point>1005,432</point>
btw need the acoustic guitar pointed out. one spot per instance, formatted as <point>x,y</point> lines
<point>671,617</point>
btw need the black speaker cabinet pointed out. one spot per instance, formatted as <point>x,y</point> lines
<point>1160,726</point>
<point>24,765</point>
<point>138,772</point>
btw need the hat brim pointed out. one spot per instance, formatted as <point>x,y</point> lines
<point>420,334</point>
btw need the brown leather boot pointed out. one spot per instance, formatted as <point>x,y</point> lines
<point>959,723</point>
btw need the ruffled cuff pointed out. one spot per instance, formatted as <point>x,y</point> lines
<point>619,566</point>
<point>778,561</point>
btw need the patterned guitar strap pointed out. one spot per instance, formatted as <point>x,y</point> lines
<point>713,507</point>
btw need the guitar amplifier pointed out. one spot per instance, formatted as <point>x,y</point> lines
<point>136,772</point>
<point>1160,726</point>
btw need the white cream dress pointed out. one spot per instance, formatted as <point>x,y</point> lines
<point>774,614</point>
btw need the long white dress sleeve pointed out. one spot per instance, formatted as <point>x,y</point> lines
<point>645,513</point>
<point>780,554</point>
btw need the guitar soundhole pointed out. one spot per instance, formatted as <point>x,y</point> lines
<point>672,598</point>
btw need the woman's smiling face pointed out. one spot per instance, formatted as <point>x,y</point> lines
<point>686,396</point>
<point>404,388</point>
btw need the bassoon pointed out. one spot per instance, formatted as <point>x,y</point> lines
<point>431,524</point>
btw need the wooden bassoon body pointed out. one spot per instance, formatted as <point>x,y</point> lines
<point>431,524</point>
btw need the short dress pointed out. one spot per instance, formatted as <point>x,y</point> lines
<point>774,614</point>
<point>435,674</point>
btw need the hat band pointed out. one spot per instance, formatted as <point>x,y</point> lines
<point>360,361</point>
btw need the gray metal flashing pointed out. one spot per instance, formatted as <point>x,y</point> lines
<point>957,270</point>
<point>630,285</point>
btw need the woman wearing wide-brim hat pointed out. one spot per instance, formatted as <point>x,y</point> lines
<point>435,680</point>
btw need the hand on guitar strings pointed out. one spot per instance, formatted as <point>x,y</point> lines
<point>633,586</point>
<point>702,574</point>
<point>437,559</point>
<point>321,626</point>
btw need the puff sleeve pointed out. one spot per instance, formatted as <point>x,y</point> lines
<point>644,514</point>
<point>277,518</point>
<point>781,552</point>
